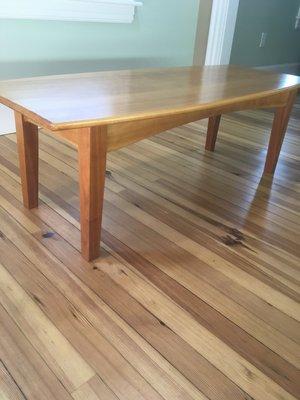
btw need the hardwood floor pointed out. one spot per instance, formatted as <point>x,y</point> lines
<point>196,293</point>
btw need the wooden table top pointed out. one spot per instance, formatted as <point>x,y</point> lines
<point>99,98</point>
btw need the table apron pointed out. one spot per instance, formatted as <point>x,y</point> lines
<point>121,134</point>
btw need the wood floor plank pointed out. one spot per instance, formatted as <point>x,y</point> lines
<point>29,370</point>
<point>110,183</point>
<point>199,202</point>
<point>9,390</point>
<point>95,389</point>
<point>271,362</point>
<point>215,229</point>
<point>23,271</point>
<point>197,209</point>
<point>203,288</point>
<point>89,339</point>
<point>271,395</point>
<point>241,245</point>
<point>63,359</point>
<point>267,361</point>
<point>195,173</point>
<point>212,258</point>
<point>241,373</point>
<point>192,365</point>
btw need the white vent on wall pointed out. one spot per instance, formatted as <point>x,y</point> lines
<point>70,10</point>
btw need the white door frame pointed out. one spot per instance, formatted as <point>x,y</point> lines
<point>221,31</point>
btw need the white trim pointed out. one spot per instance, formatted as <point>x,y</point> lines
<point>7,121</point>
<point>278,65</point>
<point>289,68</point>
<point>221,32</point>
<point>70,10</point>
<point>297,23</point>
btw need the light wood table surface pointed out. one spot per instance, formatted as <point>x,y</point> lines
<point>105,111</point>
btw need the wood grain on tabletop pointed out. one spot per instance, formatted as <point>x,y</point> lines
<point>79,100</point>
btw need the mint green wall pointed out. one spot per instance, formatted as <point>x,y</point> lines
<point>163,34</point>
<point>277,18</point>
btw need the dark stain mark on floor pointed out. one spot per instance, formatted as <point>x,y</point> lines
<point>38,300</point>
<point>48,235</point>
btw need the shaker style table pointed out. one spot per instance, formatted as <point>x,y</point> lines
<point>104,111</point>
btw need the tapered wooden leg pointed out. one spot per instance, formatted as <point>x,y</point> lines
<point>280,123</point>
<point>92,148</point>
<point>27,139</point>
<point>212,132</point>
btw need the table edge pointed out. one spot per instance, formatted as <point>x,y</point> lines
<point>60,126</point>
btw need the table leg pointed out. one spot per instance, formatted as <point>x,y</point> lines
<point>92,148</point>
<point>212,132</point>
<point>280,123</point>
<point>27,140</point>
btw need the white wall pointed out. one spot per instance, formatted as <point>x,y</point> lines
<point>7,123</point>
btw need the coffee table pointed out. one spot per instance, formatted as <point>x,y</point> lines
<point>104,111</point>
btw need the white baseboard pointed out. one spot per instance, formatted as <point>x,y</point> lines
<point>7,121</point>
<point>290,68</point>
